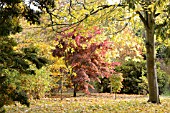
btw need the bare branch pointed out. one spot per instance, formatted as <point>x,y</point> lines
<point>157,14</point>
<point>50,14</point>
<point>122,28</point>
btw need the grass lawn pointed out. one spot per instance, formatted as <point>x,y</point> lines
<point>95,103</point>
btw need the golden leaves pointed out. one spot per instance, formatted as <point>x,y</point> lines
<point>96,103</point>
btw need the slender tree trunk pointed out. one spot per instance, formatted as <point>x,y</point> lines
<point>61,94</point>
<point>74,95</point>
<point>115,95</point>
<point>151,60</point>
<point>110,88</point>
<point>75,89</point>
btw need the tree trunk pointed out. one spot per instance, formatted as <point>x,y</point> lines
<point>75,89</point>
<point>151,60</point>
<point>74,95</point>
<point>61,94</point>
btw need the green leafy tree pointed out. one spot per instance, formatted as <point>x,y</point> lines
<point>116,83</point>
<point>35,85</point>
<point>103,86</point>
<point>18,63</point>
<point>132,71</point>
<point>15,61</point>
<point>149,11</point>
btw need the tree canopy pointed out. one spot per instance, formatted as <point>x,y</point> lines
<point>12,60</point>
<point>154,15</point>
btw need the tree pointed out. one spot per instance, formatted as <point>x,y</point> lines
<point>85,56</point>
<point>147,10</point>
<point>116,83</point>
<point>12,61</point>
<point>132,72</point>
<point>127,46</point>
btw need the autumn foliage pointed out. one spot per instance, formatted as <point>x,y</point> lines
<point>85,55</point>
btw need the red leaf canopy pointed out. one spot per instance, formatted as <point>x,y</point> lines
<point>87,58</point>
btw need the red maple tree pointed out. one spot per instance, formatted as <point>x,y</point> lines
<point>86,57</point>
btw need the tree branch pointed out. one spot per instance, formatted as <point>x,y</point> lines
<point>122,28</point>
<point>69,10</point>
<point>157,14</point>
<point>142,19</point>
<point>92,12</point>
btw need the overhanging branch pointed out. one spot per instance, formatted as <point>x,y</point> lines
<point>92,12</point>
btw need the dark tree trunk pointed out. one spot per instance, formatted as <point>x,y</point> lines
<point>74,95</point>
<point>75,90</point>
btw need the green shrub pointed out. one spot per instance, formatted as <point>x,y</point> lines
<point>37,85</point>
<point>167,87</point>
<point>143,85</point>
<point>135,80</point>
<point>132,72</point>
<point>10,90</point>
<point>109,85</point>
<point>34,85</point>
<point>103,86</point>
<point>163,81</point>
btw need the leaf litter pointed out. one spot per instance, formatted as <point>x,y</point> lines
<point>94,103</point>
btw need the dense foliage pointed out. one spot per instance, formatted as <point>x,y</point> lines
<point>15,61</point>
<point>34,85</point>
<point>12,11</point>
<point>135,80</point>
<point>132,71</point>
